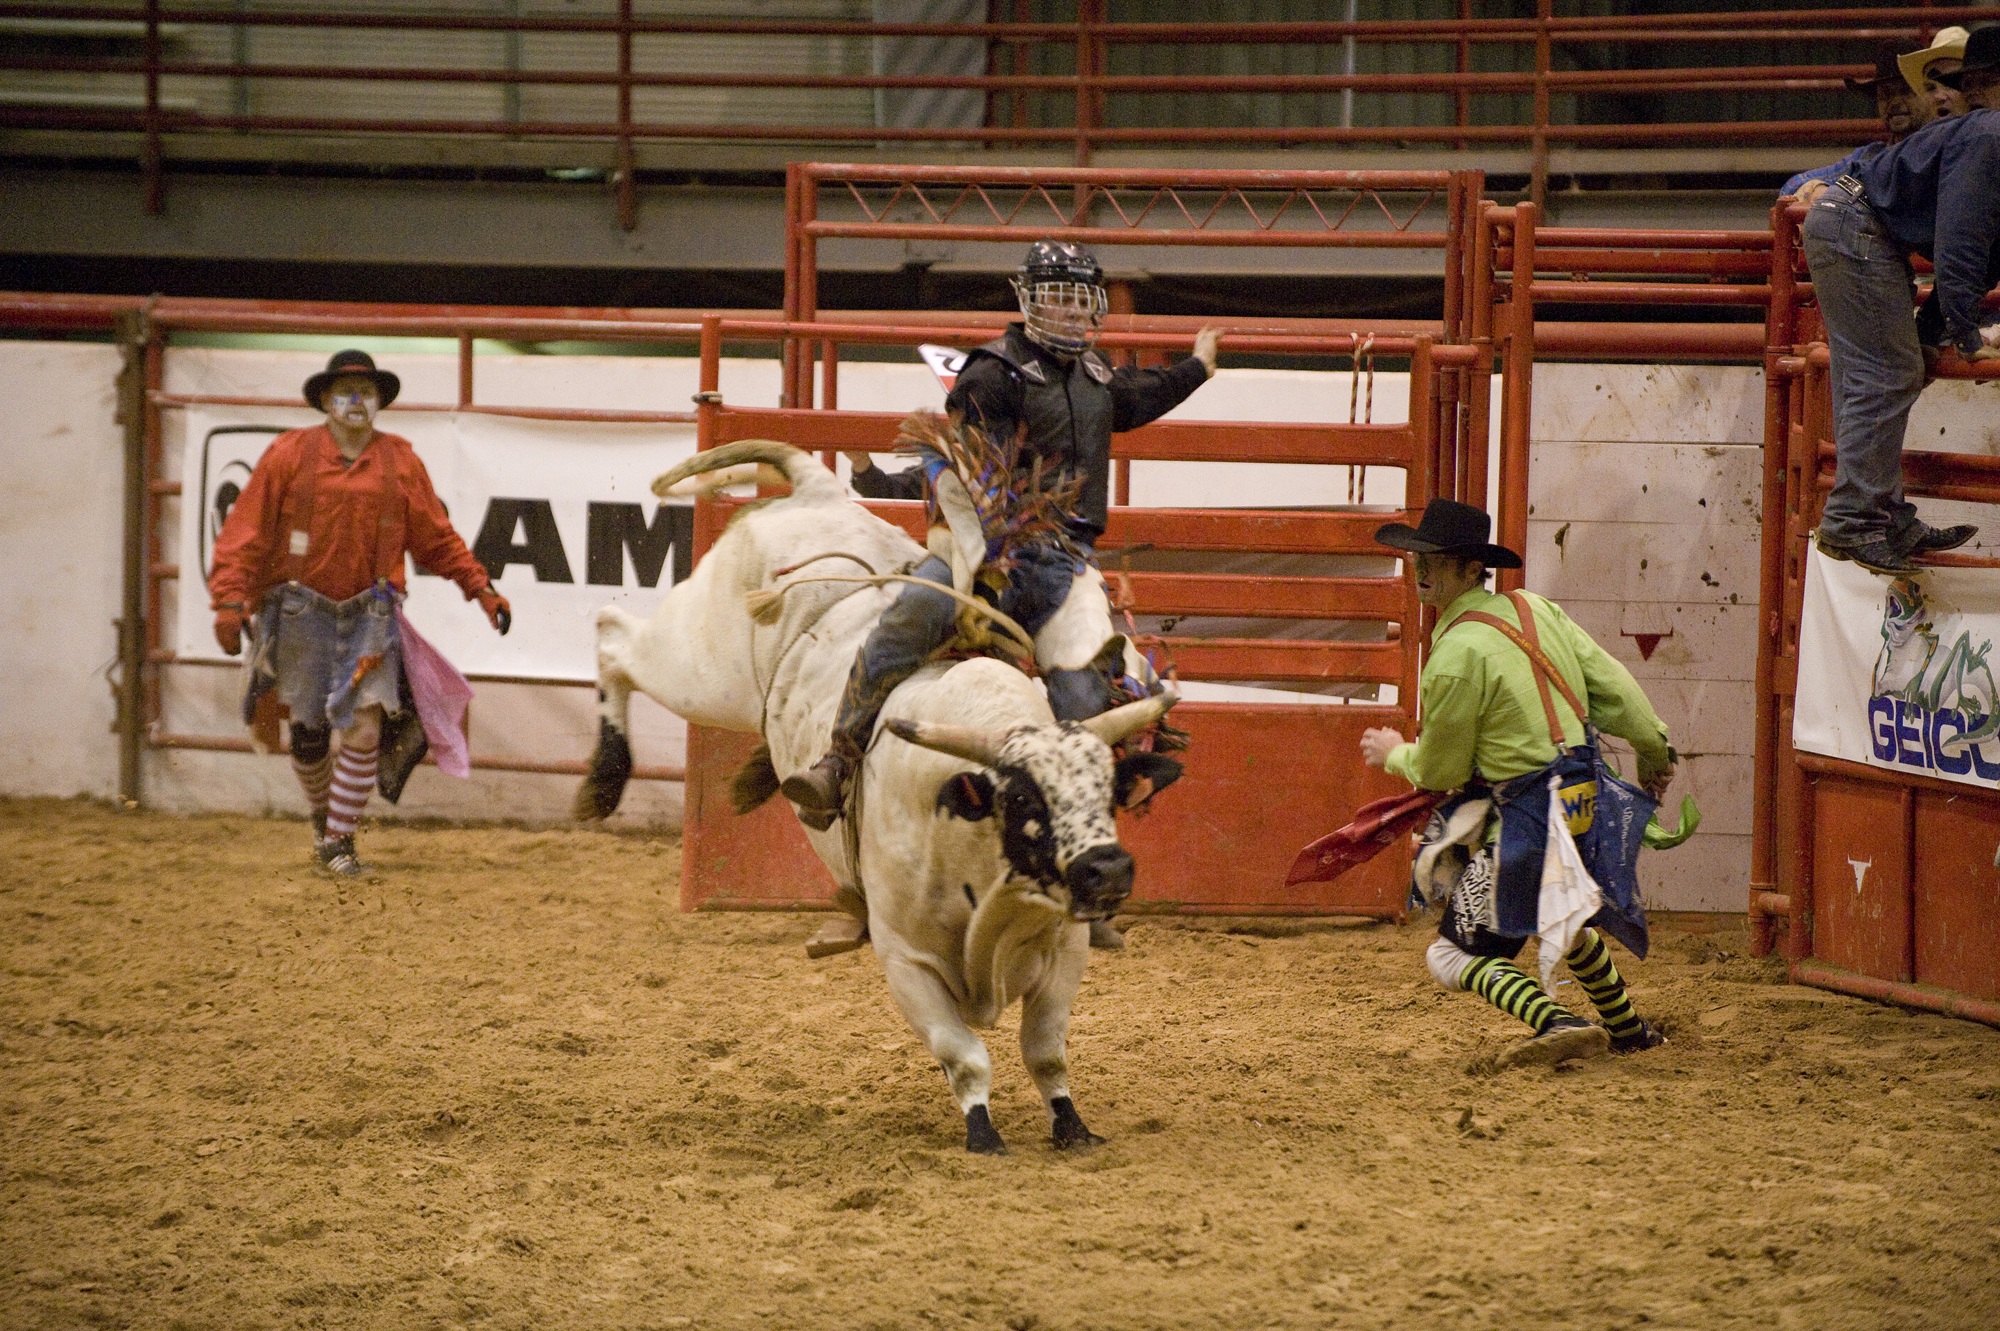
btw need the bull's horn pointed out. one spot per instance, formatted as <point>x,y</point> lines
<point>975,746</point>
<point>1122,722</point>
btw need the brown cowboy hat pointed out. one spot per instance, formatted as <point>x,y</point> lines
<point>1887,70</point>
<point>1450,528</point>
<point>351,363</point>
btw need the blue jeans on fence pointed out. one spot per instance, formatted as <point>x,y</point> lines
<point>1867,295</point>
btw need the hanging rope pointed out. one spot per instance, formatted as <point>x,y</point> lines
<point>1364,350</point>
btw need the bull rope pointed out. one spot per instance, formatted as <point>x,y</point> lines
<point>766,603</point>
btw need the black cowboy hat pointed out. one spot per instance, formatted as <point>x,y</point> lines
<point>1982,56</point>
<point>1886,70</point>
<point>357,363</point>
<point>1450,528</point>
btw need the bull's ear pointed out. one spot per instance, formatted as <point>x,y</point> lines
<point>1140,776</point>
<point>969,795</point>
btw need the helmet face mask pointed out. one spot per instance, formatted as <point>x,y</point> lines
<point>1062,316</point>
<point>1061,291</point>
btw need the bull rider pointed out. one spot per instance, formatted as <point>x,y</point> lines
<point>1490,735</point>
<point>1039,382</point>
<point>310,559</point>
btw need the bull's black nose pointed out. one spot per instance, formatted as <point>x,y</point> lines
<point>1100,879</point>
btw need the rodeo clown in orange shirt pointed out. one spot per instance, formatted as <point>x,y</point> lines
<point>311,560</point>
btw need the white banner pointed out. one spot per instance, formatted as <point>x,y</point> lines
<point>1898,673</point>
<point>561,513</point>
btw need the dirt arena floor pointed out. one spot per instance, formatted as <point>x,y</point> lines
<point>503,1082</point>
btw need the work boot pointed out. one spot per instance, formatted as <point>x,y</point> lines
<point>917,621</point>
<point>1564,1038</point>
<point>1646,1037</point>
<point>337,858</point>
<point>1875,554</point>
<point>819,792</point>
<point>1932,540</point>
<point>1104,936</point>
<point>319,830</point>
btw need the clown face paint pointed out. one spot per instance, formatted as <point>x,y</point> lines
<point>352,401</point>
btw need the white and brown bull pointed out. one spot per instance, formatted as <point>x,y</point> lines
<point>985,837</point>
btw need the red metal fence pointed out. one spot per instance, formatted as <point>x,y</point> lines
<point>635,51</point>
<point>1222,209</point>
<point>1921,927</point>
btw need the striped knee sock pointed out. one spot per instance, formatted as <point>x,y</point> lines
<point>1590,962</point>
<point>1507,987</point>
<point>314,779</point>
<point>353,778</point>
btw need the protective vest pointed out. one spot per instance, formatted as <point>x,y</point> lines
<point>1068,414</point>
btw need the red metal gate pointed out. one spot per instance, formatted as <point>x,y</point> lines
<point>1919,925</point>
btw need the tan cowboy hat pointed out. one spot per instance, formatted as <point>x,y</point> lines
<point>1949,44</point>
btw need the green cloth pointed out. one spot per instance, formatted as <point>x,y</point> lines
<point>1481,710</point>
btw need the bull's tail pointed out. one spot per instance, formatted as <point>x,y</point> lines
<point>809,480</point>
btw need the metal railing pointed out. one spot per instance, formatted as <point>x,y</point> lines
<point>1083,108</point>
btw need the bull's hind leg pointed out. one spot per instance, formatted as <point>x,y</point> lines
<point>1044,1045</point>
<point>611,761</point>
<point>927,1005</point>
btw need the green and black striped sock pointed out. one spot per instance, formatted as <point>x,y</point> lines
<point>1507,987</point>
<point>1590,962</point>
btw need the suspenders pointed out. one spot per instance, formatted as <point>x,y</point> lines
<point>295,514</point>
<point>1529,640</point>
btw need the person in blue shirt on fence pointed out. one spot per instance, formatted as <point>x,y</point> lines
<point>1936,193</point>
<point>1903,112</point>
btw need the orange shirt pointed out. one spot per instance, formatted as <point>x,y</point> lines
<point>340,541</point>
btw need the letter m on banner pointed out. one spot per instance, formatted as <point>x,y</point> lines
<point>615,530</point>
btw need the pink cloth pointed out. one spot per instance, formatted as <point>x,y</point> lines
<point>441,695</point>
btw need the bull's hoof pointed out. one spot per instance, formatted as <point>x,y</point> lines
<point>1069,1133</point>
<point>1104,936</point>
<point>981,1138</point>
<point>842,933</point>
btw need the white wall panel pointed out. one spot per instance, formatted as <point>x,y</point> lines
<point>61,525</point>
<point>1654,404</point>
<point>1644,493</point>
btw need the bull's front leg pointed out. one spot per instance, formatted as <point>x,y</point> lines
<point>611,760</point>
<point>1045,1041</point>
<point>927,1005</point>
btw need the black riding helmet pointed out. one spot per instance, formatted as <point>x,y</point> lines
<point>1061,290</point>
<point>1061,261</point>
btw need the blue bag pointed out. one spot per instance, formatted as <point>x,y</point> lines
<point>1610,841</point>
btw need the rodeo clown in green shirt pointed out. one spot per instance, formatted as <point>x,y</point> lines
<point>1489,713</point>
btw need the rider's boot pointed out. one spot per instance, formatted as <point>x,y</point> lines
<point>820,791</point>
<point>1077,695</point>
<point>908,632</point>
